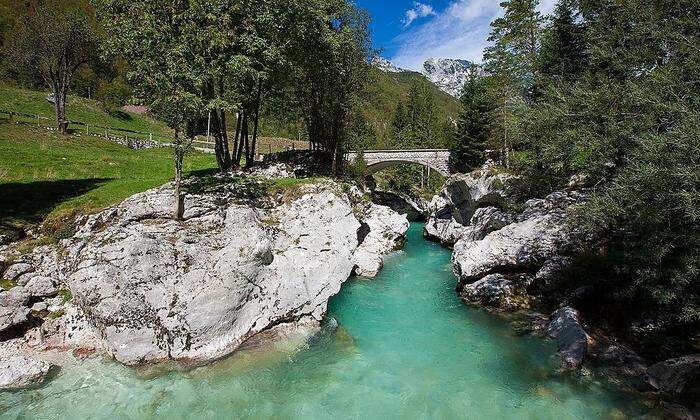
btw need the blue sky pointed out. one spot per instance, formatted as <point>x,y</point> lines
<point>409,32</point>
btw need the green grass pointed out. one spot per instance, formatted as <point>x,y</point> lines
<point>6,284</point>
<point>78,109</point>
<point>43,174</point>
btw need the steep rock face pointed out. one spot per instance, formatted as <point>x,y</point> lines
<point>146,288</point>
<point>537,235</point>
<point>386,232</point>
<point>448,74</point>
<point>458,203</point>
<point>414,208</point>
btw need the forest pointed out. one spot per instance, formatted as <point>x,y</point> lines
<point>605,95</point>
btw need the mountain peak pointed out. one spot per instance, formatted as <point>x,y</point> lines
<point>448,74</point>
<point>385,65</point>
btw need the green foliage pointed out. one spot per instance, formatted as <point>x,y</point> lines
<point>57,314</point>
<point>65,295</point>
<point>6,284</point>
<point>418,123</point>
<point>563,52</point>
<point>617,101</point>
<point>473,128</point>
<point>78,109</point>
<point>357,171</point>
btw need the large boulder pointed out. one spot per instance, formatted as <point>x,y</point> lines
<point>155,289</point>
<point>460,200</point>
<point>538,234</point>
<point>484,221</point>
<point>382,231</point>
<point>19,372</point>
<point>13,307</point>
<point>414,208</point>
<point>565,327</point>
<point>678,378</point>
<point>497,291</point>
<point>463,194</point>
<point>16,270</point>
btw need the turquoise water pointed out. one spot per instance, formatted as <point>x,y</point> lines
<point>406,348</point>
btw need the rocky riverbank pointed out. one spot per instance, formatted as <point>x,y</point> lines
<point>508,256</point>
<point>139,287</point>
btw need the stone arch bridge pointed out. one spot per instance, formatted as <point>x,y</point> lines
<point>437,159</point>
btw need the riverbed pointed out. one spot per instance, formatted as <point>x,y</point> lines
<point>399,346</point>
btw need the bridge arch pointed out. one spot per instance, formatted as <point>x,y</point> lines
<point>436,159</point>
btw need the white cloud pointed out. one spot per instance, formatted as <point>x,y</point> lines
<point>459,31</point>
<point>420,10</point>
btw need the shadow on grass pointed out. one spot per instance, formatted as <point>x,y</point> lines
<point>202,172</point>
<point>31,202</point>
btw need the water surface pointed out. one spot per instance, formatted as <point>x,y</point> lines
<point>406,348</point>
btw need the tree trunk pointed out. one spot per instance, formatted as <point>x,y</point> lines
<point>245,141</point>
<point>60,109</point>
<point>179,207</point>
<point>243,135</point>
<point>223,157</point>
<point>234,152</point>
<point>255,123</point>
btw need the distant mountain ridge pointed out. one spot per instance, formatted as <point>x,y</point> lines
<point>448,74</point>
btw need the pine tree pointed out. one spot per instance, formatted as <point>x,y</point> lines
<point>473,125</point>
<point>563,52</point>
<point>511,61</point>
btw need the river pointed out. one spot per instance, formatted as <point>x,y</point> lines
<point>406,348</point>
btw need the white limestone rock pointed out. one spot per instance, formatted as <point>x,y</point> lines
<point>449,75</point>
<point>41,286</point>
<point>16,270</point>
<point>21,371</point>
<point>147,288</point>
<point>385,232</point>
<point>13,309</point>
<point>538,235</point>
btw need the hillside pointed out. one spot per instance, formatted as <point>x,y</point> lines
<point>45,175</point>
<point>13,99</point>
<point>385,90</point>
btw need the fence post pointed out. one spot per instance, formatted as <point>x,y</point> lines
<point>87,129</point>
<point>150,137</point>
<point>38,123</point>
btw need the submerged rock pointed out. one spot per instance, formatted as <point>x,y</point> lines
<point>678,378</point>
<point>572,341</point>
<point>18,372</point>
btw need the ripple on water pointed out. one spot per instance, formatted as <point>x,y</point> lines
<point>406,348</point>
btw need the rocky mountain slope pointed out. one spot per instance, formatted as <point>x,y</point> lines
<point>449,75</point>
